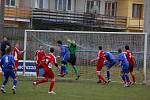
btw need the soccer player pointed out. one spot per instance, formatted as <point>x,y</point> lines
<point>109,62</point>
<point>131,61</point>
<point>4,44</point>
<point>65,55</point>
<point>39,56</point>
<point>100,64</point>
<point>123,62</point>
<point>17,55</point>
<point>72,60</point>
<point>7,63</point>
<point>48,73</point>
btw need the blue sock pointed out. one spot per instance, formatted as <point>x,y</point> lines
<point>123,78</point>
<point>15,83</point>
<point>108,75</point>
<point>5,82</point>
<point>127,78</point>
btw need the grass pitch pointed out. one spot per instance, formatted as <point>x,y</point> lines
<point>75,90</point>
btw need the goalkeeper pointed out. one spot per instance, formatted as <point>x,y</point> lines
<point>72,49</point>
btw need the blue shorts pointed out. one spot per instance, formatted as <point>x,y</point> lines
<point>110,63</point>
<point>9,73</point>
<point>125,70</point>
<point>63,69</point>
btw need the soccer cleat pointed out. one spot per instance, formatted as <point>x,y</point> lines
<point>99,81</point>
<point>51,92</point>
<point>14,90</point>
<point>126,85</point>
<point>78,77</point>
<point>104,82</point>
<point>3,90</point>
<point>34,83</point>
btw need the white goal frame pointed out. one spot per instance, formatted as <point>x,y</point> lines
<point>91,32</point>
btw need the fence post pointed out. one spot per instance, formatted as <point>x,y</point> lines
<point>25,48</point>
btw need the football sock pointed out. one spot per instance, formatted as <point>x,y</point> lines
<point>41,81</point>
<point>127,78</point>
<point>51,86</point>
<point>108,75</point>
<point>123,78</point>
<point>101,77</point>
<point>15,83</point>
<point>76,70</point>
<point>133,77</point>
<point>5,82</point>
<point>67,67</point>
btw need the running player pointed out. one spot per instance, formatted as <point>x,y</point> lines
<point>17,55</point>
<point>131,61</point>
<point>39,56</point>
<point>109,62</point>
<point>100,64</point>
<point>48,73</point>
<point>123,62</point>
<point>7,63</point>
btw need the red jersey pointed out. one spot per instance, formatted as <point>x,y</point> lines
<point>17,54</point>
<point>101,55</point>
<point>48,61</point>
<point>40,54</point>
<point>130,57</point>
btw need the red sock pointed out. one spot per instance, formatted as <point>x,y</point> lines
<point>63,74</point>
<point>41,81</point>
<point>51,86</point>
<point>99,77</point>
<point>102,78</point>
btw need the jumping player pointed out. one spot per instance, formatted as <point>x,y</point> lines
<point>100,64</point>
<point>39,56</point>
<point>109,62</point>
<point>123,62</point>
<point>48,73</point>
<point>131,61</point>
<point>17,55</point>
<point>72,48</point>
<point>7,63</point>
<point>64,55</point>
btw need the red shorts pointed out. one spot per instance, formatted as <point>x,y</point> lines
<point>16,64</point>
<point>48,73</point>
<point>99,65</point>
<point>131,66</point>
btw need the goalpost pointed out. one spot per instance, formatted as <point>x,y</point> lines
<point>87,42</point>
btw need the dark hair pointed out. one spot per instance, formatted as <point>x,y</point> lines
<point>51,50</point>
<point>127,47</point>
<point>119,50</point>
<point>59,42</point>
<point>100,47</point>
<point>8,49</point>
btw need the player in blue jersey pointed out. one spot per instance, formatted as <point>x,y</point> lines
<point>64,55</point>
<point>109,62</point>
<point>7,63</point>
<point>124,67</point>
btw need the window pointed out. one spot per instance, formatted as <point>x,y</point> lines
<point>110,8</point>
<point>10,2</point>
<point>93,6</point>
<point>63,5</point>
<point>137,11</point>
<point>41,4</point>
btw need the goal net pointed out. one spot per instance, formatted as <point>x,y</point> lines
<point>87,47</point>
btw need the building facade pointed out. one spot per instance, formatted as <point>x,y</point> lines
<point>115,15</point>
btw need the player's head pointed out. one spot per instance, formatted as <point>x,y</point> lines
<point>52,50</point>
<point>17,45</point>
<point>8,49</point>
<point>119,50</point>
<point>5,38</point>
<point>127,47</point>
<point>40,47</point>
<point>100,48</point>
<point>59,42</point>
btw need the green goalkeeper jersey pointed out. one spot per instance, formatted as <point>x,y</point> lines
<point>72,48</point>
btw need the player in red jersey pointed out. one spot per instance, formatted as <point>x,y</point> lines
<point>100,64</point>
<point>48,72</point>
<point>39,56</point>
<point>17,55</point>
<point>131,61</point>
